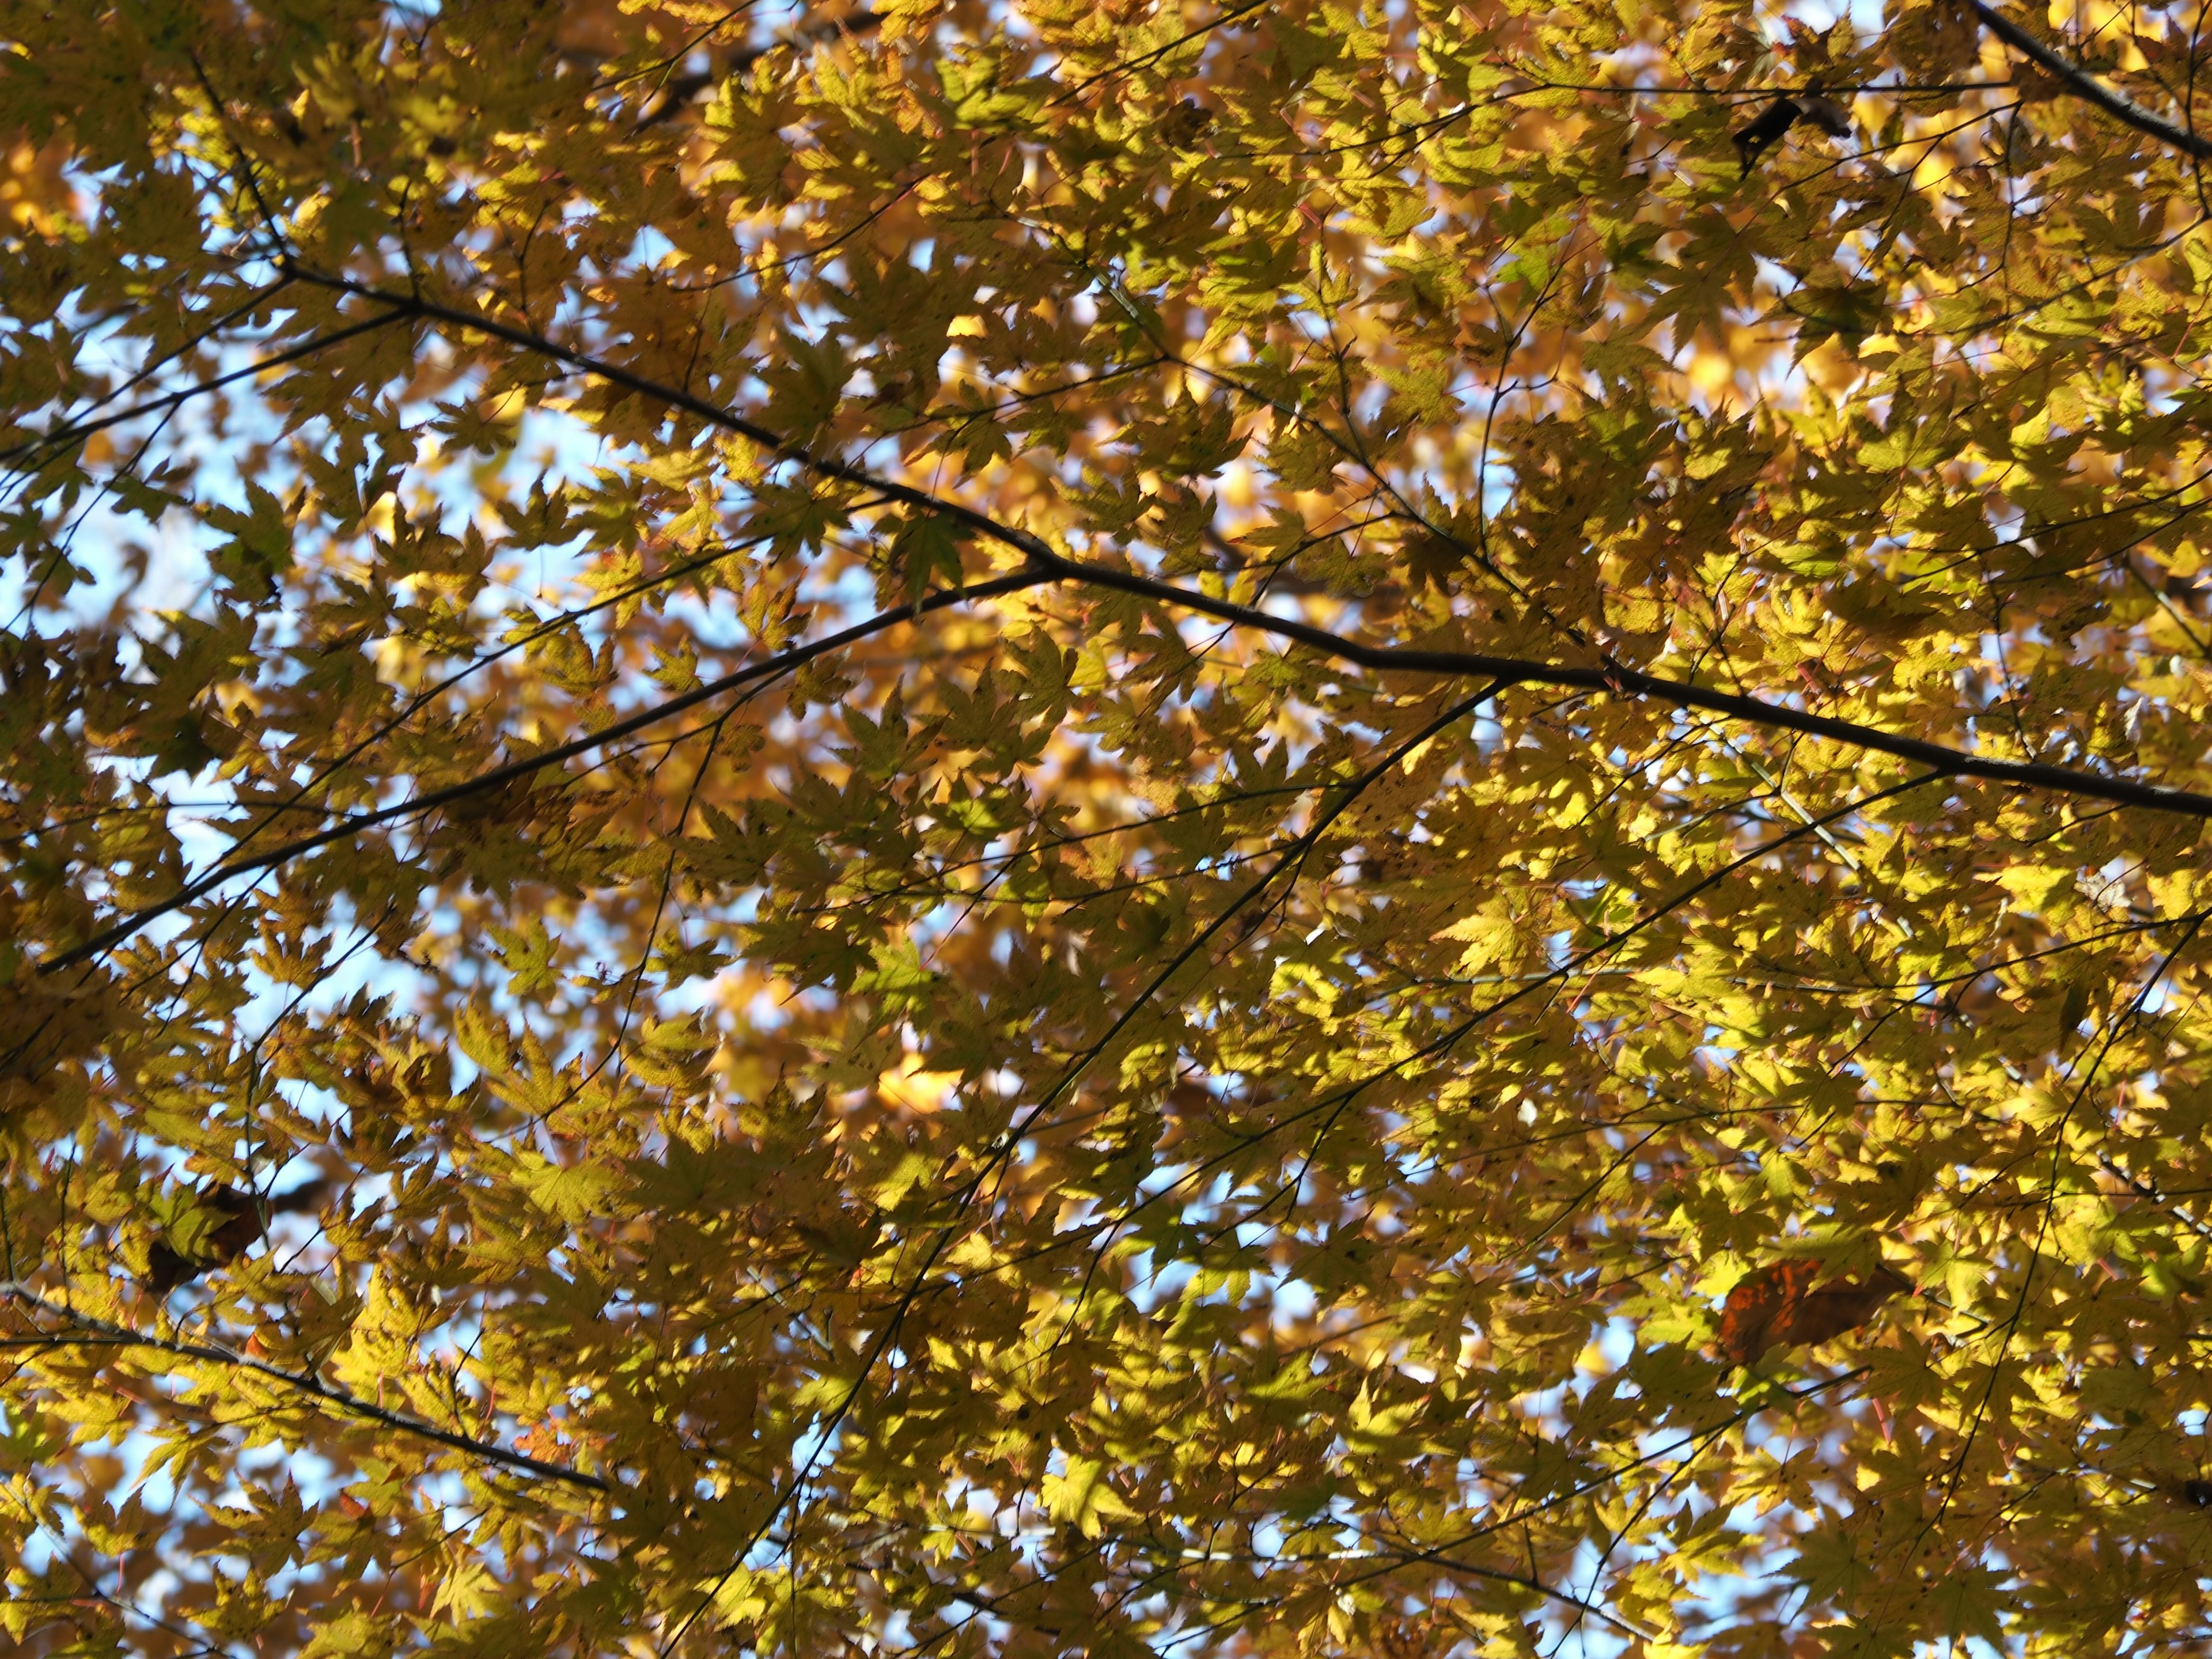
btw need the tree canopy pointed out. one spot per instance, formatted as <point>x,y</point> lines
<point>1366,827</point>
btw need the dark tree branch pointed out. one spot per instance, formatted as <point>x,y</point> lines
<point>100,1333</point>
<point>500,776</point>
<point>2087,87</point>
<point>1050,564</point>
<point>25,457</point>
<point>1041,564</point>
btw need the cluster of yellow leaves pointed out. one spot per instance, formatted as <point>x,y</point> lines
<point>1104,827</point>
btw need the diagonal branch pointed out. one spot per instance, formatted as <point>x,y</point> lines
<point>2083,85</point>
<point>20,457</point>
<point>1045,563</point>
<point>100,1333</point>
<point>678,90</point>
<point>500,777</point>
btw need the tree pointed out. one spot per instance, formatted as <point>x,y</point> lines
<point>1104,827</point>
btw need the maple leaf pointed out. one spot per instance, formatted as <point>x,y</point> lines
<point>1038,800</point>
<point>1789,1305</point>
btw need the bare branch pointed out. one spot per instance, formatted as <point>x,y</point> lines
<point>2088,87</point>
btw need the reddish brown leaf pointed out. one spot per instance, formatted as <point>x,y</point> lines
<point>1784,1306</point>
<point>243,1221</point>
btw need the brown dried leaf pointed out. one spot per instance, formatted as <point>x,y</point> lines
<point>232,1222</point>
<point>1826,113</point>
<point>1785,1306</point>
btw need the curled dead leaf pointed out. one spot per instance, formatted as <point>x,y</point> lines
<point>1766,130</point>
<point>220,1222</point>
<point>1787,1306</point>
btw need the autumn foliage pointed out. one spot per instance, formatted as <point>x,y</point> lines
<point>1093,827</point>
<point>1790,1303</point>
